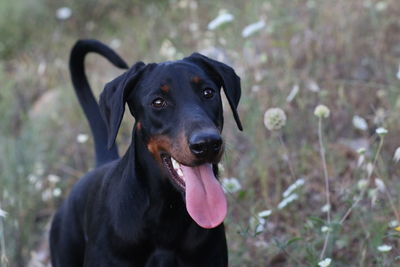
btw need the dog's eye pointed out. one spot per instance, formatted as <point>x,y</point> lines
<point>159,103</point>
<point>208,93</point>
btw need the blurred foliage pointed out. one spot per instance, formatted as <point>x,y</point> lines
<point>19,20</point>
<point>344,54</point>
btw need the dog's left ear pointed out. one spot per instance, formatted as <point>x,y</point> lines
<point>226,77</point>
<point>113,98</point>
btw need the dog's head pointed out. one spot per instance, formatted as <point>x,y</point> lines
<point>178,110</point>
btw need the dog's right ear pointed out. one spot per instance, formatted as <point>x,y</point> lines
<point>227,78</point>
<point>113,99</point>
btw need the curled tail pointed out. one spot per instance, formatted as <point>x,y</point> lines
<point>86,98</point>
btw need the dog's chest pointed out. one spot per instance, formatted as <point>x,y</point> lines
<point>170,226</point>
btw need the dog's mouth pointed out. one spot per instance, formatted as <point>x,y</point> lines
<point>204,197</point>
<point>175,170</point>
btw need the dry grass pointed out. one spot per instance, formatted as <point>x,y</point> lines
<point>344,54</point>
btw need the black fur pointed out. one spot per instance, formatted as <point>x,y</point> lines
<point>128,211</point>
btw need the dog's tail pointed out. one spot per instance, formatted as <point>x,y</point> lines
<point>86,98</point>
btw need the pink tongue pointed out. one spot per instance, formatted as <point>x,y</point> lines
<point>205,199</point>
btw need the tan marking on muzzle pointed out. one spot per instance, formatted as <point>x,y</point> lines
<point>165,88</point>
<point>157,144</point>
<point>181,150</point>
<point>196,79</point>
<point>177,148</point>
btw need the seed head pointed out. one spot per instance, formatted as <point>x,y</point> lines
<point>381,131</point>
<point>274,119</point>
<point>325,263</point>
<point>361,151</point>
<point>384,248</point>
<point>231,185</point>
<point>3,213</point>
<point>322,111</point>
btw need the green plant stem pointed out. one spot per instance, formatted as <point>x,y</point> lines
<point>391,202</point>
<point>327,190</point>
<point>287,155</point>
<point>369,181</point>
<point>240,206</point>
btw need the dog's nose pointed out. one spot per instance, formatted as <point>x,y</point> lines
<point>205,144</point>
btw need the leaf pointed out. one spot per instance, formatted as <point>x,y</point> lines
<point>317,220</point>
<point>293,240</point>
<point>242,194</point>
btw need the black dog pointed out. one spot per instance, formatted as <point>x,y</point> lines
<point>161,203</point>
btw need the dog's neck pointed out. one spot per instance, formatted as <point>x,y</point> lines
<point>156,186</point>
<point>154,179</point>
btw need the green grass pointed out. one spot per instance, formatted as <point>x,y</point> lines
<point>350,50</point>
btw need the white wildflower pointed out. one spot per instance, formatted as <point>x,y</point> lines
<point>115,43</point>
<point>57,192</point>
<point>293,93</point>
<point>313,86</point>
<point>373,194</point>
<point>325,229</point>
<point>360,123</point>
<point>255,88</point>
<point>183,4</point>
<point>369,167</point>
<point>381,131</point>
<point>287,200</point>
<point>381,93</point>
<point>39,185</point>
<point>384,248</point>
<point>3,213</point>
<point>53,178</point>
<point>322,111</point>
<point>82,138</point>
<point>257,224</point>
<point>223,18</point>
<point>47,194</point>
<point>63,13</point>
<point>396,156</point>
<point>259,229</point>
<point>381,6</point>
<point>393,224</point>
<point>325,263</point>
<point>264,213</point>
<point>325,208</point>
<point>221,168</point>
<point>32,178</point>
<point>398,73</point>
<point>41,68</point>
<point>292,187</point>
<point>253,28</point>
<point>380,185</point>
<point>168,49</point>
<point>193,27</point>
<point>231,185</point>
<point>361,151</point>
<point>274,119</point>
<point>362,184</point>
<point>360,161</point>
